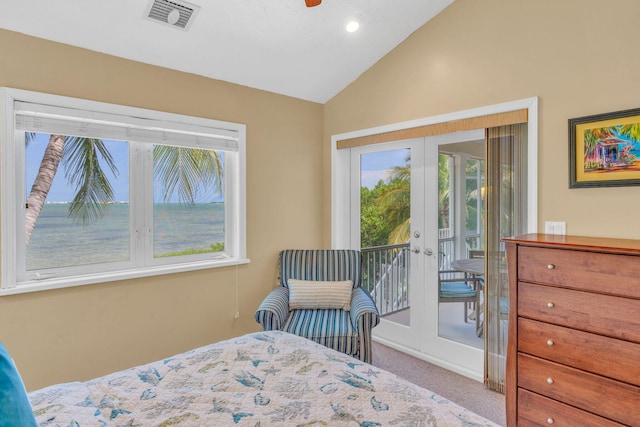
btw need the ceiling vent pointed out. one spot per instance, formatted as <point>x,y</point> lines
<point>176,14</point>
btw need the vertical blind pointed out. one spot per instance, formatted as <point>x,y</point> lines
<point>506,199</point>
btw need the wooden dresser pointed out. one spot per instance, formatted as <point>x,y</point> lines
<point>573,358</point>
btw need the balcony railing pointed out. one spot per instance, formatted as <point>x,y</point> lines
<point>385,272</point>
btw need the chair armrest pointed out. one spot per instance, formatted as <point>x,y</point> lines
<point>274,310</point>
<point>364,313</point>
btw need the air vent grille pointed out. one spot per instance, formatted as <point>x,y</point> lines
<point>159,10</point>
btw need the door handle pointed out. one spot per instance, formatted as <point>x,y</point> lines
<point>428,252</point>
<point>416,249</point>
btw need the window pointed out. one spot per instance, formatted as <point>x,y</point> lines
<point>93,192</point>
<point>474,196</point>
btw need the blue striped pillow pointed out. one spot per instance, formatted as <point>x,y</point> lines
<point>310,294</point>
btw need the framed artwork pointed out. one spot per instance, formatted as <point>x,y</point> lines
<point>604,150</point>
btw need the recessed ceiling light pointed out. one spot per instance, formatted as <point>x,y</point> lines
<point>352,26</point>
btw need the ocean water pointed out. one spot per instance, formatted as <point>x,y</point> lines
<point>59,241</point>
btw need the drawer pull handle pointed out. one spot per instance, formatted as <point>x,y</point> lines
<point>549,420</point>
<point>549,343</point>
<point>550,305</point>
<point>550,266</point>
<point>549,380</point>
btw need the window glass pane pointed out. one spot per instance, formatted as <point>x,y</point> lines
<point>384,197</point>
<point>472,193</point>
<point>445,195</point>
<point>474,204</point>
<point>385,209</point>
<point>189,201</point>
<point>88,207</point>
<point>78,212</point>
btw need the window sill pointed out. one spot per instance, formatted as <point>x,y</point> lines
<point>88,279</point>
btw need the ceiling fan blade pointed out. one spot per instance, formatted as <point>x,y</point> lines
<point>311,3</point>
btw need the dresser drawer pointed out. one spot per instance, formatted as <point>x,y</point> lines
<point>591,271</point>
<point>536,411</point>
<point>603,396</point>
<point>602,314</point>
<point>605,356</point>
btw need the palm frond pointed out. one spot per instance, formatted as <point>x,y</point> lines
<point>81,158</point>
<point>401,172</point>
<point>402,233</point>
<point>187,172</point>
<point>395,203</point>
<point>29,137</point>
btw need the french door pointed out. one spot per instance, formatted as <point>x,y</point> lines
<point>387,177</point>
<point>419,333</point>
<point>402,272</point>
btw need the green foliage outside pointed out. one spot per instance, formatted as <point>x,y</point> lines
<point>444,180</point>
<point>385,210</point>
<point>374,227</point>
<point>385,213</point>
<point>216,247</point>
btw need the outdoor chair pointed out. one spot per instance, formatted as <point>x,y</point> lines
<point>320,297</point>
<point>475,254</point>
<point>462,289</point>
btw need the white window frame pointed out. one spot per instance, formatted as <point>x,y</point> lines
<point>143,124</point>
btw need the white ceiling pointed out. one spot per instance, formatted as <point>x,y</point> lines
<point>276,45</point>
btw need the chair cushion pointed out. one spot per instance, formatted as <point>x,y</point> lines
<point>305,294</point>
<point>456,290</point>
<point>15,409</point>
<point>331,328</point>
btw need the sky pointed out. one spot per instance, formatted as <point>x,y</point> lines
<point>61,191</point>
<point>376,166</point>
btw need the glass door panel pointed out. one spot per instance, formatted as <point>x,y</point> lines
<point>460,231</point>
<point>386,183</point>
<point>384,214</point>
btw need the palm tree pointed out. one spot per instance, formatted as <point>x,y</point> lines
<point>44,178</point>
<point>396,203</point>
<point>187,171</point>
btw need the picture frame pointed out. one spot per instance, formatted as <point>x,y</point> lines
<point>604,150</point>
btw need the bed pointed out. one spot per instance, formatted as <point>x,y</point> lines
<point>260,379</point>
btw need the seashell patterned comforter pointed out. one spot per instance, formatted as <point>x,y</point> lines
<point>258,380</point>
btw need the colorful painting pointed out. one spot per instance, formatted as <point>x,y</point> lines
<point>604,150</point>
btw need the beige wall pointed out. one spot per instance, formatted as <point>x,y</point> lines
<point>82,332</point>
<point>580,57</point>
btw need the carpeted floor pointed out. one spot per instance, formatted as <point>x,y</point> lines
<point>457,388</point>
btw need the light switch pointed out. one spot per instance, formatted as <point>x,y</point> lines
<point>555,227</point>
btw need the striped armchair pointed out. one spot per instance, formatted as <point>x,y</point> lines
<point>347,331</point>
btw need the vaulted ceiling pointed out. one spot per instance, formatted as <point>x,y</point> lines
<point>280,46</point>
